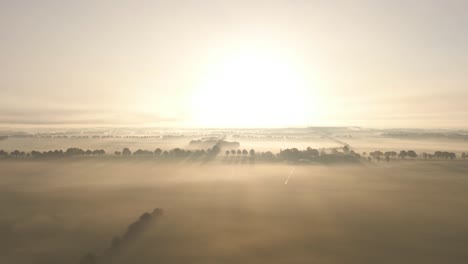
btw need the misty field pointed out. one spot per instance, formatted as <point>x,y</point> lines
<point>402,212</point>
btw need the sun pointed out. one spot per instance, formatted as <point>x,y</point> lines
<point>252,89</point>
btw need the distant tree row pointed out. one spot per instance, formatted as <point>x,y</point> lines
<point>440,155</point>
<point>239,152</point>
<point>403,154</point>
<point>290,155</point>
<point>70,152</point>
<point>176,153</point>
<point>392,154</point>
<point>286,155</point>
<point>344,154</point>
<point>126,152</point>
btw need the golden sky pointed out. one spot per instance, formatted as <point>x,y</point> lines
<point>210,63</point>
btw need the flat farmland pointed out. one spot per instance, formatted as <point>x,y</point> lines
<point>401,212</point>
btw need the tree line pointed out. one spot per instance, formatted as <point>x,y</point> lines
<point>234,155</point>
<point>411,154</point>
<point>343,154</point>
<point>70,152</point>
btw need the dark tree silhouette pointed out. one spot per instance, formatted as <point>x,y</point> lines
<point>16,153</point>
<point>99,152</point>
<point>412,154</point>
<point>376,154</point>
<point>424,155</point>
<point>252,152</point>
<point>74,152</point>
<point>312,152</point>
<point>35,154</point>
<point>126,152</point>
<point>157,152</point>
<point>445,155</point>
<point>289,155</point>
<point>346,149</point>
<point>403,154</point>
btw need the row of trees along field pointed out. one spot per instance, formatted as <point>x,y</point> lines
<point>289,154</point>
<point>411,154</point>
<point>70,152</point>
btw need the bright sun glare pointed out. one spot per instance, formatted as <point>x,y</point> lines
<point>253,89</point>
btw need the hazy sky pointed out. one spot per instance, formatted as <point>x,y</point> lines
<point>234,63</point>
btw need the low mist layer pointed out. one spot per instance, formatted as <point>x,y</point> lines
<point>407,212</point>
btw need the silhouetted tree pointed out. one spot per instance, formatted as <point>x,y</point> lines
<point>346,149</point>
<point>452,155</point>
<point>444,155</point>
<point>412,154</point>
<point>50,154</point>
<point>126,152</point>
<point>74,152</point>
<point>99,152</point>
<point>403,154</point>
<point>35,154</point>
<point>290,154</point>
<point>424,155</point>
<point>252,152</point>
<point>312,152</point>
<point>15,153</point>
<point>376,154</point>
<point>157,152</point>
<point>177,153</point>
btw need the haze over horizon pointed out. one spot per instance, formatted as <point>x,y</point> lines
<point>234,63</point>
<point>233,131</point>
